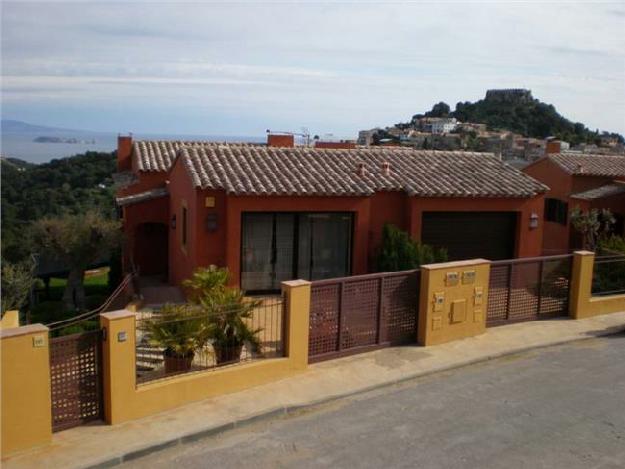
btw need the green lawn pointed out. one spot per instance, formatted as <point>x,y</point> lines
<point>51,309</point>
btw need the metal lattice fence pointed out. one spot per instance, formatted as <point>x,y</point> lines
<point>608,275</point>
<point>265,321</point>
<point>76,379</point>
<point>528,289</point>
<point>354,314</point>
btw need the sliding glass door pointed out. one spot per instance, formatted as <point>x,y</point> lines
<point>324,249</point>
<point>283,246</point>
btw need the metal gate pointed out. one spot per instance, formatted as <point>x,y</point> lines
<point>356,314</point>
<point>76,379</point>
<point>528,289</point>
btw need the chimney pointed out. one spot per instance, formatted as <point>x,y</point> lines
<point>361,169</point>
<point>386,168</point>
<point>580,169</point>
<point>280,140</point>
<point>552,146</point>
<point>124,152</point>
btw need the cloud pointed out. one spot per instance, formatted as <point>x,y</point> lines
<point>339,66</point>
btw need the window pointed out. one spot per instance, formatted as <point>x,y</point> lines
<point>184,226</point>
<point>556,211</point>
<point>283,246</point>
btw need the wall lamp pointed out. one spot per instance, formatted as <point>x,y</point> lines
<point>534,220</point>
<point>173,222</point>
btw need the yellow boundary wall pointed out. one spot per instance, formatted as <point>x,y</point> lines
<point>453,301</point>
<point>124,400</point>
<point>26,419</point>
<point>581,302</point>
<point>10,319</point>
<point>453,305</point>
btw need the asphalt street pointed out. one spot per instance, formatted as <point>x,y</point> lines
<point>559,407</point>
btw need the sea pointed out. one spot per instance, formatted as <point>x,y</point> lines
<point>21,144</point>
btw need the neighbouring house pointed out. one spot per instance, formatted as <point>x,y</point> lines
<point>444,125</point>
<point>271,214</point>
<point>582,180</point>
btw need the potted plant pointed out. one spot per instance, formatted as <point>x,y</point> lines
<point>228,313</point>
<point>181,331</point>
<point>229,318</point>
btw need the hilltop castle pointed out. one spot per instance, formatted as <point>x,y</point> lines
<point>510,94</point>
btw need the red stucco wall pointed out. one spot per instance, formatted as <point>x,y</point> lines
<point>222,247</point>
<point>149,211</point>
<point>556,235</point>
<point>386,207</point>
<point>558,238</point>
<point>182,261</point>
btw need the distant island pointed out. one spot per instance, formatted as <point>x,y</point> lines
<point>64,140</point>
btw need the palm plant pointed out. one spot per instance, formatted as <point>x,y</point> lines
<point>230,316</point>
<point>206,282</point>
<point>228,313</point>
<point>180,330</point>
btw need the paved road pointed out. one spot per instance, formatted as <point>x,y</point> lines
<point>562,407</point>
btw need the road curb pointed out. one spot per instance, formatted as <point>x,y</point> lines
<point>296,408</point>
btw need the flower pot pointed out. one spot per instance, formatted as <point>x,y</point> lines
<point>177,363</point>
<point>227,353</point>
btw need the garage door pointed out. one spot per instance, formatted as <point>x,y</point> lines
<point>467,235</point>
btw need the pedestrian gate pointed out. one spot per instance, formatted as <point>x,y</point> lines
<point>76,379</point>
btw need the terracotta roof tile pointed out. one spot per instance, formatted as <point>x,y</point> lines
<point>607,190</point>
<point>159,155</point>
<point>260,170</point>
<point>589,164</point>
<point>142,196</point>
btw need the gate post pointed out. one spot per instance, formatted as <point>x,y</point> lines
<point>118,364</point>
<point>297,299</point>
<point>26,400</point>
<point>453,300</point>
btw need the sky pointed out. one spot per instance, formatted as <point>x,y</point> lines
<point>239,68</point>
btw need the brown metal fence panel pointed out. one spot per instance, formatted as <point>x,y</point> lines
<point>76,379</point>
<point>353,314</point>
<point>528,289</point>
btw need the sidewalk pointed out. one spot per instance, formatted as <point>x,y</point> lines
<point>110,445</point>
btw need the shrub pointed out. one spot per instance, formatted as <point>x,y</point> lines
<point>181,330</point>
<point>206,282</point>
<point>400,252</point>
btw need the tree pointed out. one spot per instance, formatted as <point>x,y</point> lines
<point>78,241</point>
<point>594,225</point>
<point>400,252</point>
<point>17,280</point>
<point>439,110</point>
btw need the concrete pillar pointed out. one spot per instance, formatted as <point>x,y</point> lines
<point>118,364</point>
<point>297,293</point>
<point>453,301</point>
<point>10,319</point>
<point>581,283</point>
<point>25,401</point>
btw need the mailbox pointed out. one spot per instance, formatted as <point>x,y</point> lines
<point>451,279</point>
<point>439,301</point>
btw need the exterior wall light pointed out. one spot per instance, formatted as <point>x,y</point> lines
<point>534,220</point>
<point>173,222</point>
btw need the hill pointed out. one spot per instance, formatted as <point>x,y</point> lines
<point>15,126</point>
<point>518,111</point>
<point>30,192</point>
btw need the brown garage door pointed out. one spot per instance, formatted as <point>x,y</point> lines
<point>467,235</point>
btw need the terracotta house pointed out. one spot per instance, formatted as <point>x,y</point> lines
<point>578,180</point>
<point>275,213</point>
